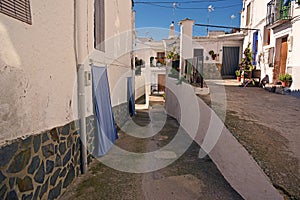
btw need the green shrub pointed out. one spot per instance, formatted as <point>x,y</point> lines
<point>285,77</point>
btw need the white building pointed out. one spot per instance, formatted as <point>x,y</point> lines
<point>275,44</point>
<point>226,48</point>
<point>220,53</point>
<point>151,76</point>
<point>47,50</point>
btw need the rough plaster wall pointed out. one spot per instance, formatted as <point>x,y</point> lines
<point>39,88</point>
<point>13,90</point>
<point>37,69</point>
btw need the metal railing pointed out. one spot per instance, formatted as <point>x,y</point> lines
<point>277,10</point>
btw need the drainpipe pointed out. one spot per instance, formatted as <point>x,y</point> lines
<point>80,41</point>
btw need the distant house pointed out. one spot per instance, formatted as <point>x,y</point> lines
<point>48,52</point>
<point>274,44</point>
<point>151,79</point>
<point>217,54</point>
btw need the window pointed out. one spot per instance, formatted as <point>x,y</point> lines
<point>99,25</point>
<point>18,9</point>
<point>248,14</point>
<point>267,36</point>
<point>161,57</point>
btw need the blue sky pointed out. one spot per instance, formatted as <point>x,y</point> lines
<point>160,15</point>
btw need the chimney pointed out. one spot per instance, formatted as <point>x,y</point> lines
<point>172,30</point>
<point>186,42</point>
<point>186,38</point>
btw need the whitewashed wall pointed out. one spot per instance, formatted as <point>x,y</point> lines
<point>295,48</point>
<point>38,69</point>
<point>259,11</point>
<point>118,46</point>
<point>140,85</point>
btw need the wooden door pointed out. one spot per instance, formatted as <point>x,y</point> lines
<point>161,78</point>
<point>281,51</point>
<point>283,55</point>
<point>276,70</point>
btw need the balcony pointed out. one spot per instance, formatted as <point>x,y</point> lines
<point>278,12</point>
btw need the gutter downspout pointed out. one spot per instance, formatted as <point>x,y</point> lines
<point>79,42</point>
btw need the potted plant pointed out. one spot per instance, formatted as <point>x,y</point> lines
<point>212,54</point>
<point>246,62</point>
<point>246,65</point>
<point>286,79</point>
<point>238,75</point>
<point>174,57</point>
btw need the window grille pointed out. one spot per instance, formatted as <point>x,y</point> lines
<point>18,9</point>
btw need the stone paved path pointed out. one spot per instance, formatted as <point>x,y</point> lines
<point>267,125</point>
<point>187,178</point>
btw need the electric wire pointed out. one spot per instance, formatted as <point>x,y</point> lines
<point>186,8</point>
<point>218,26</point>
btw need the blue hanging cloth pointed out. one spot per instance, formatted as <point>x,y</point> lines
<point>106,133</point>
<point>131,97</point>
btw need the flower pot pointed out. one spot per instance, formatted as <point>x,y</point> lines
<point>285,83</point>
<point>238,79</point>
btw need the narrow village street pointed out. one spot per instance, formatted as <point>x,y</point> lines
<point>269,135</point>
<point>189,177</point>
<point>267,125</point>
<point>129,99</point>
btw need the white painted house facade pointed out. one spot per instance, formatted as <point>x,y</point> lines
<point>275,43</point>
<point>220,52</point>
<point>47,50</point>
<point>227,49</point>
<point>152,73</point>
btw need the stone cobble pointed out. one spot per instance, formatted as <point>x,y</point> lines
<point>40,166</point>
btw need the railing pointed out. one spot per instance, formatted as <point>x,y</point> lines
<point>191,72</point>
<point>278,10</point>
<point>194,70</point>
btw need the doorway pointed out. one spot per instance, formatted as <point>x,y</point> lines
<point>161,79</point>
<point>281,53</point>
<point>231,56</point>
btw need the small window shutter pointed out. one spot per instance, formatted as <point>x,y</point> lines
<point>18,9</point>
<point>99,25</point>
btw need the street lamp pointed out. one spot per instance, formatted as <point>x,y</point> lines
<point>232,18</point>
<point>210,9</point>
